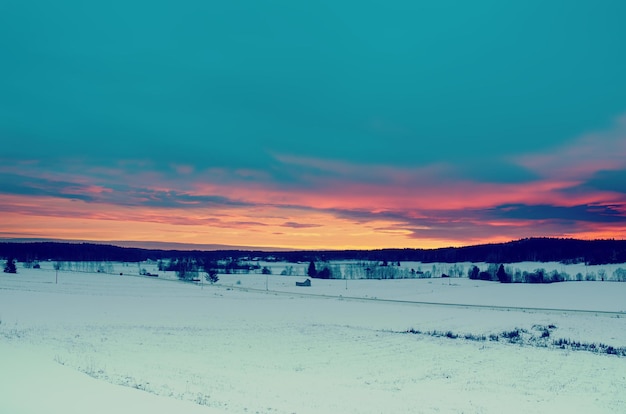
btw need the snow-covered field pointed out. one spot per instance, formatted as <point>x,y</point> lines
<point>105,343</point>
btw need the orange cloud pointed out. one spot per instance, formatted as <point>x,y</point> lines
<point>304,202</point>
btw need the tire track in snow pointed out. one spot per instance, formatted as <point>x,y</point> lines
<point>405,301</point>
<point>427,303</point>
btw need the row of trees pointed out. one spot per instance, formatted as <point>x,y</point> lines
<point>493,272</point>
<point>90,266</point>
<point>228,266</point>
<point>377,270</point>
<point>504,274</point>
<point>189,269</point>
<point>531,249</point>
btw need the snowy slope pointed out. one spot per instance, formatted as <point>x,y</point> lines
<point>106,343</point>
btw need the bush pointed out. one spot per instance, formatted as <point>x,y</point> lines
<point>211,276</point>
<point>473,337</point>
<point>513,336</point>
<point>484,276</point>
<point>324,273</point>
<point>502,275</point>
<point>473,272</point>
<point>9,267</point>
<point>186,269</point>
<point>620,275</point>
<point>535,277</point>
<point>555,276</point>
<point>591,347</point>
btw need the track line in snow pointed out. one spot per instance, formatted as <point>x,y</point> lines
<point>426,303</point>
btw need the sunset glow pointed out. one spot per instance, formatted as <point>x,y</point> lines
<point>312,127</point>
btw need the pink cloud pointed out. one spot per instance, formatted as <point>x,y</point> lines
<point>182,169</point>
<point>377,204</point>
<point>582,158</point>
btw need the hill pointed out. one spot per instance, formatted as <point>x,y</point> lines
<point>531,249</point>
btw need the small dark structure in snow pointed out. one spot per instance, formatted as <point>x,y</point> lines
<point>305,283</point>
<point>444,275</point>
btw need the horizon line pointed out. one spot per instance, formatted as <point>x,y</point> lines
<point>178,246</point>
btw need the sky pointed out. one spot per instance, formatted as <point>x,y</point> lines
<point>312,124</point>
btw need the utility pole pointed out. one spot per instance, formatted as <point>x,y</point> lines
<point>56,268</point>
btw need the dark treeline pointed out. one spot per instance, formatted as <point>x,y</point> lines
<point>532,249</point>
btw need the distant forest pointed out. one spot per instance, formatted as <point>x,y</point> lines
<point>532,249</point>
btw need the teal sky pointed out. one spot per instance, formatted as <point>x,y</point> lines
<point>295,96</point>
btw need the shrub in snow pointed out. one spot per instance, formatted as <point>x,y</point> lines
<point>591,347</point>
<point>493,271</point>
<point>620,275</point>
<point>473,272</point>
<point>9,267</point>
<point>502,275</point>
<point>474,337</point>
<point>211,276</point>
<point>534,277</point>
<point>544,330</point>
<point>513,336</point>
<point>186,269</point>
<point>324,273</point>
<point>555,276</point>
<point>484,276</point>
<point>325,270</point>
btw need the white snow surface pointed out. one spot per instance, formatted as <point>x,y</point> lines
<point>110,343</point>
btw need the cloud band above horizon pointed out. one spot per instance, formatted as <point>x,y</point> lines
<point>321,125</point>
